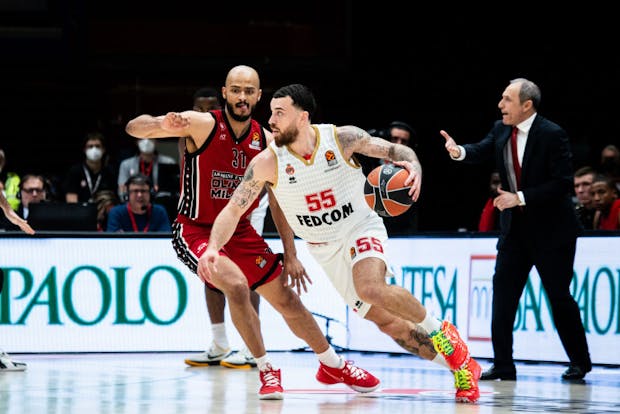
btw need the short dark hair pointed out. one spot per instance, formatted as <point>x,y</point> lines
<point>585,171</point>
<point>206,92</point>
<point>94,136</point>
<point>301,96</point>
<point>139,179</point>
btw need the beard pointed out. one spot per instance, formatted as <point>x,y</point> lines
<point>286,137</point>
<point>239,118</point>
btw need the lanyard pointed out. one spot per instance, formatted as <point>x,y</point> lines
<point>89,180</point>
<point>146,169</point>
<point>133,219</point>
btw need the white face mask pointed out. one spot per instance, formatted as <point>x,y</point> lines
<point>147,146</point>
<point>94,153</point>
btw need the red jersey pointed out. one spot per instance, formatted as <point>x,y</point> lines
<point>610,221</point>
<point>211,174</point>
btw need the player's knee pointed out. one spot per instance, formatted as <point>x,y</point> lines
<point>237,292</point>
<point>288,304</point>
<point>371,293</point>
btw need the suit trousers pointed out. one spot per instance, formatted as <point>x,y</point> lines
<point>515,258</point>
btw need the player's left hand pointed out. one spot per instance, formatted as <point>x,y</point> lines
<point>294,275</point>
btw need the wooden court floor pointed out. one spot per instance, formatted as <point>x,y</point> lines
<point>161,383</point>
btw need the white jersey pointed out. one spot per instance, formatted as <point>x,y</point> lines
<point>323,196</point>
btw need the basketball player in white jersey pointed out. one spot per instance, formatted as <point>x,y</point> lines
<point>318,184</point>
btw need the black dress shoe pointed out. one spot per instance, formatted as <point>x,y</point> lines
<point>575,372</point>
<point>494,373</point>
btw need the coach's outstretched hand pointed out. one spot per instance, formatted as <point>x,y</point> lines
<point>451,146</point>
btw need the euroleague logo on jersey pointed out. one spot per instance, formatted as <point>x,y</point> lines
<point>255,144</point>
<point>223,131</point>
<point>330,157</point>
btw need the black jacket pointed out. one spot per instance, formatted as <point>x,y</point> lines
<point>546,180</point>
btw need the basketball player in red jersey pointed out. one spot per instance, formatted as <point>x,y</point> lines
<point>312,171</point>
<point>219,147</point>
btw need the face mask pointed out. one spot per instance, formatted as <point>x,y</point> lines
<point>147,146</point>
<point>94,153</point>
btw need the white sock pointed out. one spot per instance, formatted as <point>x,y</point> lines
<point>263,363</point>
<point>219,335</point>
<point>430,324</point>
<point>331,358</point>
<point>440,360</point>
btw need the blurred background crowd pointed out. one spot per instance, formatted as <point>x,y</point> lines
<point>74,73</point>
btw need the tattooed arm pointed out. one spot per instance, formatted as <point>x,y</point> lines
<point>356,140</point>
<point>261,168</point>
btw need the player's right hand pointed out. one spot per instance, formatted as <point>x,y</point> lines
<point>174,122</point>
<point>451,146</point>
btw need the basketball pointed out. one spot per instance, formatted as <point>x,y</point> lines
<point>385,190</point>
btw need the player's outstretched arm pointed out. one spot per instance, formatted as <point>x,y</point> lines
<point>173,124</point>
<point>12,216</point>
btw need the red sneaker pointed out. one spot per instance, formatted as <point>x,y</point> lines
<point>271,388</point>
<point>466,381</point>
<point>356,378</point>
<point>448,343</point>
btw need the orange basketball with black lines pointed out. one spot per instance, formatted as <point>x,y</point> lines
<point>385,190</point>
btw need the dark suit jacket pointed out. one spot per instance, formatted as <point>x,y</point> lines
<point>546,181</point>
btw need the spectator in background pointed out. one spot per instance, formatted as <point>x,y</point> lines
<point>489,218</point>
<point>610,164</point>
<point>105,201</point>
<point>584,208</point>
<point>138,214</point>
<point>93,174</point>
<point>32,189</point>
<point>146,162</point>
<point>206,99</point>
<point>605,201</point>
<point>6,363</point>
<point>9,183</point>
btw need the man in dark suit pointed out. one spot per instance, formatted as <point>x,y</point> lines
<point>538,225</point>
